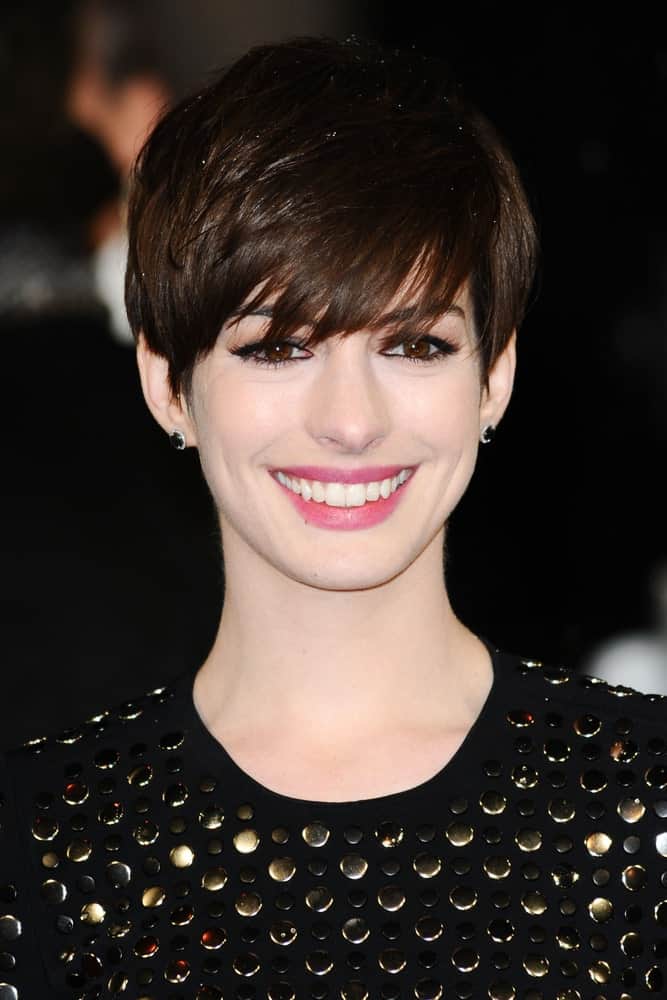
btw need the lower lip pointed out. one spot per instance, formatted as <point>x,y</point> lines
<point>346,518</point>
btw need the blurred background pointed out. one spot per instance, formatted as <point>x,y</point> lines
<point>111,579</point>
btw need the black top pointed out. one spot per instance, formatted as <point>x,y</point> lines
<point>138,860</point>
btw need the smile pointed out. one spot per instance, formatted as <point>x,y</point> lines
<point>343,494</point>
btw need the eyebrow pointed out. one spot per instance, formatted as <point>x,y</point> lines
<point>408,312</point>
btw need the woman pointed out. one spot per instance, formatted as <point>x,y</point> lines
<point>354,796</point>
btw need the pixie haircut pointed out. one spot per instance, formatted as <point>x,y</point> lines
<point>330,177</point>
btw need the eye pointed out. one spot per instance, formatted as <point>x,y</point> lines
<point>418,349</point>
<point>273,357</point>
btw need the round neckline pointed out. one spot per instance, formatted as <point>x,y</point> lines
<point>220,760</point>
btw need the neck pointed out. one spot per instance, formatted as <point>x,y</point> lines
<point>393,655</point>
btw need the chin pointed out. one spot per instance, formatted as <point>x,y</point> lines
<point>363,572</point>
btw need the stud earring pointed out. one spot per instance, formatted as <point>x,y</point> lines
<point>177,439</point>
<point>488,434</point>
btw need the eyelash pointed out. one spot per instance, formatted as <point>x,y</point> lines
<point>250,352</point>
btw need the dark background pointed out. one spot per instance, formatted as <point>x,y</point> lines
<point>111,579</point>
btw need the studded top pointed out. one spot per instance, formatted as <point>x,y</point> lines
<point>138,860</point>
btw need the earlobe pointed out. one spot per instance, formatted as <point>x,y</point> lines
<point>497,394</point>
<point>165,407</point>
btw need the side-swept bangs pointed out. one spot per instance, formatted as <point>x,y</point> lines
<point>329,177</point>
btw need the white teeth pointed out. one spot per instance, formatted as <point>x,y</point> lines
<point>355,494</point>
<point>343,494</point>
<point>334,494</point>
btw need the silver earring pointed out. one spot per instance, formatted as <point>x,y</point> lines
<point>177,439</point>
<point>488,434</point>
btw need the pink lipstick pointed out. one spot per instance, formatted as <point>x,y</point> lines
<point>328,474</point>
<point>372,512</point>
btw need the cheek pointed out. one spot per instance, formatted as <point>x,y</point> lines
<point>447,413</point>
<point>234,424</point>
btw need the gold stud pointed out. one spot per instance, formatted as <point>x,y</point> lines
<point>92,913</point>
<point>634,877</point>
<point>600,909</point>
<point>353,866</point>
<point>528,840</point>
<point>492,803</point>
<point>459,834</point>
<point>427,865</point>
<point>214,879</point>
<point>319,962</point>
<point>429,928</point>
<point>391,898</point>
<point>211,817</point>
<point>463,897</point>
<point>75,793</point>
<point>248,904</point>
<point>389,833</point>
<point>181,856</point>
<point>147,946</point>
<point>140,776</point>
<point>520,718</point>
<point>536,966</point>
<point>319,899</point>
<point>246,841</point>
<point>44,828</point>
<point>355,930</point>
<point>213,938</point>
<point>182,915</point>
<point>392,960</point>
<point>315,834</point>
<point>597,844</point>
<point>631,810</point>
<point>465,959</point>
<point>534,903</point>
<point>497,867</point>
<point>177,971</point>
<point>79,850</point>
<point>282,869</point>
<point>600,972</point>
<point>561,810</point>
<point>153,896</point>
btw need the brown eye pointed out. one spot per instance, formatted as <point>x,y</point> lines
<point>279,352</point>
<point>271,357</point>
<point>417,349</point>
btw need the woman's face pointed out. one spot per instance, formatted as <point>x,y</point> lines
<point>346,407</point>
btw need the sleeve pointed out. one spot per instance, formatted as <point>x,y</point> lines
<point>22,974</point>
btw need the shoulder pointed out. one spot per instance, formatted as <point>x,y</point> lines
<point>118,734</point>
<point>62,799</point>
<point>118,721</point>
<point>605,745</point>
<point>588,703</point>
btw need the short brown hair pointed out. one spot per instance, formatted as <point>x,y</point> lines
<point>329,173</point>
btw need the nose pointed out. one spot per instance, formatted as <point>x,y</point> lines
<point>348,409</point>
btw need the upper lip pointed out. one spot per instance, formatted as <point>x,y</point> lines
<point>327,474</point>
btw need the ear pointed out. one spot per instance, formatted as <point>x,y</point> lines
<point>496,395</point>
<point>170,411</point>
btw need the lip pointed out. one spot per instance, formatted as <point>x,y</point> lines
<point>327,474</point>
<point>347,518</point>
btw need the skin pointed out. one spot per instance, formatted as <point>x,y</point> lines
<point>340,670</point>
<point>119,114</point>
